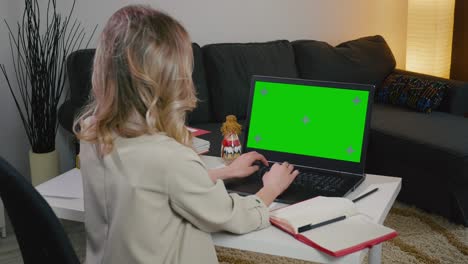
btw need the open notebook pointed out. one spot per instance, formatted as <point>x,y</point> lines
<point>348,232</point>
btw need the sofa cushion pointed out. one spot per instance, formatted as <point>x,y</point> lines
<point>79,69</point>
<point>365,60</point>
<point>429,153</point>
<point>417,93</point>
<point>79,72</point>
<point>203,111</point>
<point>229,69</point>
<point>439,130</point>
<point>454,101</point>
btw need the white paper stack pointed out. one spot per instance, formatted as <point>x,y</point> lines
<point>200,145</point>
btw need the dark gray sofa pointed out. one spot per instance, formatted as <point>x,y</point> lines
<point>428,151</point>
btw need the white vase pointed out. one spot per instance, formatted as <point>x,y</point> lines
<point>44,166</point>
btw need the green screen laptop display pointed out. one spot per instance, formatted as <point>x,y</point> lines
<point>323,122</point>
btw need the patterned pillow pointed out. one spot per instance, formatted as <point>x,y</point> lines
<point>417,93</point>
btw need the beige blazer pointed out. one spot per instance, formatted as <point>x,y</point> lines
<point>151,201</point>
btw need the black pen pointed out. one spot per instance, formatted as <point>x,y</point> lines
<point>365,195</point>
<point>310,226</point>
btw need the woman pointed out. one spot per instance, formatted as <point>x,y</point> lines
<point>148,196</point>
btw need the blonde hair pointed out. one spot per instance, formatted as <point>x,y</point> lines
<point>141,81</point>
<point>231,126</point>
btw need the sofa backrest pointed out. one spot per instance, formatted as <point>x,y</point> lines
<point>366,60</point>
<point>79,71</point>
<point>222,72</point>
<point>229,68</point>
<point>80,67</point>
<point>202,113</point>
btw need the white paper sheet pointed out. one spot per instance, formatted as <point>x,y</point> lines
<point>212,162</point>
<point>68,185</point>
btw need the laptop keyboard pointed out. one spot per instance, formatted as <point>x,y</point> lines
<point>313,181</point>
<point>319,182</point>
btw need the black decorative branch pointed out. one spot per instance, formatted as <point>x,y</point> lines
<point>39,56</point>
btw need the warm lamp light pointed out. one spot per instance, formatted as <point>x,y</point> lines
<point>429,39</point>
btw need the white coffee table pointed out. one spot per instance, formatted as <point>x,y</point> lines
<point>64,193</point>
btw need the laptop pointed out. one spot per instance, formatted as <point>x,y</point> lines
<point>322,128</point>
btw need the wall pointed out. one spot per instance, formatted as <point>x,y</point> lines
<point>14,145</point>
<point>211,21</point>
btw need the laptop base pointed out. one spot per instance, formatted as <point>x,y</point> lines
<point>295,192</point>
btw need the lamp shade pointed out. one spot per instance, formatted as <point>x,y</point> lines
<point>429,36</point>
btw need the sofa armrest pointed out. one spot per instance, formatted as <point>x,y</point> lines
<point>456,100</point>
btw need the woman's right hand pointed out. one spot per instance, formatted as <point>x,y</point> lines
<point>279,177</point>
<point>276,181</point>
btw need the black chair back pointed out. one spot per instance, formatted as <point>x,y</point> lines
<point>40,234</point>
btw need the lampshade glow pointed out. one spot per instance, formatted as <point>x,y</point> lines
<point>429,37</point>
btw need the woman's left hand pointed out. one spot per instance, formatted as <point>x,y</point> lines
<point>241,167</point>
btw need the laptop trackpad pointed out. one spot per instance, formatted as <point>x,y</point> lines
<point>294,195</point>
<point>249,186</point>
<point>243,186</point>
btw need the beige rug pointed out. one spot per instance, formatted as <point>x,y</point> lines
<point>423,239</point>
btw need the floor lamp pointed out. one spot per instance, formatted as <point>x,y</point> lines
<point>429,36</point>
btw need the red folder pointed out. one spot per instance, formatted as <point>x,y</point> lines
<point>197,131</point>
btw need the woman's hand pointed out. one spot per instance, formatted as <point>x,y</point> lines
<point>239,168</point>
<point>279,177</point>
<point>276,181</point>
<point>243,165</point>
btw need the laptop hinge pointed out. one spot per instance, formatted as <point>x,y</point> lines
<point>322,169</point>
